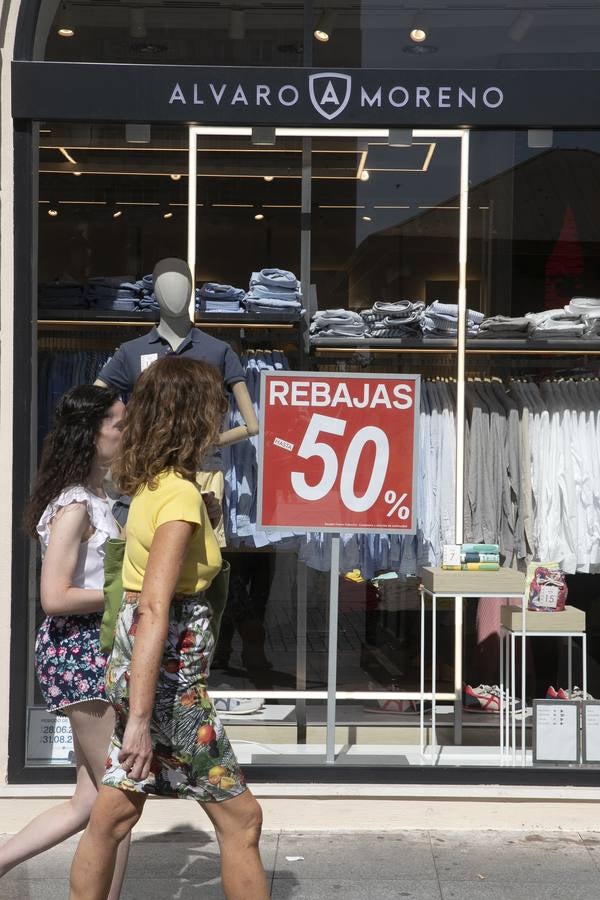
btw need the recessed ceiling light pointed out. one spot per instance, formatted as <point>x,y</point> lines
<point>175,177</point>
<point>65,28</point>
<point>418,31</point>
<point>117,213</point>
<point>259,217</point>
<point>324,26</point>
<point>365,175</point>
<point>367,219</point>
<point>52,210</point>
<point>168,215</point>
<point>77,174</point>
<point>269,177</point>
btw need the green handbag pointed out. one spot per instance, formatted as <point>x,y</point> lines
<point>114,551</point>
<point>216,593</point>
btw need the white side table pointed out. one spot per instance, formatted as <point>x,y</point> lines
<point>569,623</point>
<point>437,582</point>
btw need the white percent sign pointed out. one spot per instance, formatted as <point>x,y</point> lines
<point>397,506</point>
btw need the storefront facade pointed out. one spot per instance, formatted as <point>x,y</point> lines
<point>376,168</point>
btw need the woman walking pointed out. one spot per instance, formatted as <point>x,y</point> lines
<point>69,513</point>
<point>168,739</point>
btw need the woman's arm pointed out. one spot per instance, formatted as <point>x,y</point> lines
<point>167,553</point>
<point>59,598</point>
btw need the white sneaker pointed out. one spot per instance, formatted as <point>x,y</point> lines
<point>238,706</point>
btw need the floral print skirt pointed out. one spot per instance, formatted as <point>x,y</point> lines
<point>192,755</point>
<point>68,661</point>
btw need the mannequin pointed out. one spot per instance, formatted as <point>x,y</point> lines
<point>173,288</point>
<point>175,333</point>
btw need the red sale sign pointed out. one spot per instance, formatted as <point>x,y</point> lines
<point>337,452</point>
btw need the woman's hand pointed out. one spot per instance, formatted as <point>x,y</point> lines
<point>135,755</point>
<point>213,507</point>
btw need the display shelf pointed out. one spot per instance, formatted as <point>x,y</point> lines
<point>322,346</point>
<point>145,320</point>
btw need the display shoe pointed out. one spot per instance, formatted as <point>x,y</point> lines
<point>392,707</point>
<point>552,694</point>
<point>485,698</point>
<point>238,706</point>
<point>577,694</point>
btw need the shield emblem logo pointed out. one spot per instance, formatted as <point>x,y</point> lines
<point>329,93</point>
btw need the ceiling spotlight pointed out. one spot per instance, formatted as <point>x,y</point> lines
<point>268,177</point>
<point>365,175</point>
<point>237,24</point>
<point>367,219</point>
<point>117,213</point>
<point>53,209</point>
<point>324,26</point>
<point>65,28</point>
<point>137,23</point>
<point>418,32</point>
<point>259,217</point>
<point>520,26</point>
<point>77,174</point>
<point>175,177</point>
<point>168,215</point>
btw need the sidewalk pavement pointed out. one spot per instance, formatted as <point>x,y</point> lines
<point>426,865</point>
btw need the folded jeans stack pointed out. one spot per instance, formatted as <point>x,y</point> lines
<point>441,320</point>
<point>147,301</point>
<point>61,295</point>
<point>116,292</point>
<point>394,320</point>
<point>589,310</point>
<point>274,289</point>
<point>338,323</point>
<point>555,324</point>
<point>219,298</point>
<point>507,328</point>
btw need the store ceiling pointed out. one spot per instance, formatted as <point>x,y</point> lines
<point>461,32</point>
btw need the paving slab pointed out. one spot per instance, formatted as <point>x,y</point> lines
<point>492,857</point>
<point>581,889</point>
<point>365,855</point>
<point>322,889</point>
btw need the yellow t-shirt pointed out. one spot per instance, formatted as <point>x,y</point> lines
<point>174,499</point>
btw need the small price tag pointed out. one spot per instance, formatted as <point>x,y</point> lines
<point>451,556</point>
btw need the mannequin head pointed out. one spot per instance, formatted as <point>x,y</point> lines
<point>172,287</point>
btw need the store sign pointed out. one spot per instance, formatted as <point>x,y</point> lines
<point>299,96</point>
<point>49,738</point>
<point>338,452</point>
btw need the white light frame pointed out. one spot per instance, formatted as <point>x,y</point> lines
<point>461,134</point>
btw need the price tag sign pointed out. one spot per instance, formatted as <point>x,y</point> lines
<point>337,452</point>
<point>49,739</point>
<point>555,731</point>
<point>591,732</point>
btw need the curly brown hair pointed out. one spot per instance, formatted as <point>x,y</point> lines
<point>174,416</point>
<point>69,449</point>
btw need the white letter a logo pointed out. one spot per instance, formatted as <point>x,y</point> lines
<point>329,95</point>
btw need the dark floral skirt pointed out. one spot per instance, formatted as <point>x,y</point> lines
<point>68,661</point>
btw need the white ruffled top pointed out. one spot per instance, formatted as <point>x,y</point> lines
<point>89,571</point>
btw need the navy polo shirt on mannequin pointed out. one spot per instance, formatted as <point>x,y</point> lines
<point>132,357</point>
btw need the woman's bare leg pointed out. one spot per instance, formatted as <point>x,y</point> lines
<point>238,825</point>
<point>94,729</point>
<point>92,726</point>
<point>113,816</point>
